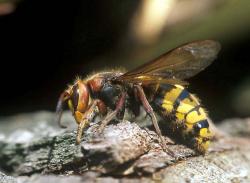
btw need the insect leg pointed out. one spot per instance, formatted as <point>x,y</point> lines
<point>88,116</point>
<point>80,128</point>
<point>59,108</point>
<point>111,115</point>
<point>150,111</point>
<point>101,107</point>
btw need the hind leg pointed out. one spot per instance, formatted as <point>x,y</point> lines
<point>151,113</point>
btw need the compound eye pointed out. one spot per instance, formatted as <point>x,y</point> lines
<point>75,96</point>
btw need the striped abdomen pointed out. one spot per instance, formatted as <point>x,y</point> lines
<point>190,119</point>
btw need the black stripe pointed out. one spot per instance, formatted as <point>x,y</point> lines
<point>160,95</point>
<point>196,108</point>
<point>163,89</point>
<point>201,124</point>
<point>167,87</point>
<point>158,101</point>
<point>184,94</point>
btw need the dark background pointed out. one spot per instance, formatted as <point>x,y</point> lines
<point>44,45</point>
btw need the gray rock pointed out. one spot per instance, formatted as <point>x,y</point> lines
<point>6,179</point>
<point>117,145</point>
<point>122,149</point>
<point>236,127</point>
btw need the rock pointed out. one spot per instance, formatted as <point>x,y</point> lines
<point>50,179</point>
<point>236,127</point>
<point>228,166</point>
<point>124,152</point>
<point>47,154</point>
<point>89,177</point>
<point>6,179</point>
<point>46,148</point>
<point>117,145</point>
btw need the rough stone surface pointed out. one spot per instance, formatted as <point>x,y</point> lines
<point>38,151</point>
<point>7,179</point>
<point>117,145</point>
<point>236,127</point>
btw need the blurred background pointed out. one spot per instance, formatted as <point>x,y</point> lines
<point>45,44</point>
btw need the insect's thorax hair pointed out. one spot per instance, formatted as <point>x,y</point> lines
<point>105,74</point>
<point>102,86</point>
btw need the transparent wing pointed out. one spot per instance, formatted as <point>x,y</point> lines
<point>180,63</point>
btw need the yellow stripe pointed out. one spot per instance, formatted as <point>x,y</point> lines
<point>70,104</point>
<point>170,97</point>
<point>184,107</point>
<point>204,132</point>
<point>190,102</point>
<point>185,114</point>
<point>193,116</point>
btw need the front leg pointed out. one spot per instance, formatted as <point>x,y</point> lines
<point>110,116</point>
<point>87,117</point>
<point>150,111</point>
<point>80,128</point>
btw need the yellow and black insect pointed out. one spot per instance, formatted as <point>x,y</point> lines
<point>157,85</point>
